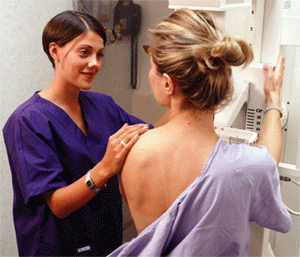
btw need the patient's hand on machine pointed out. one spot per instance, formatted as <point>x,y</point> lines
<point>273,82</point>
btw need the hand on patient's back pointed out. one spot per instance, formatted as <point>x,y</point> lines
<point>119,145</point>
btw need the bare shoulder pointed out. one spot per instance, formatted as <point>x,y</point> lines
<point>148,145</point>
<point>142,158</point>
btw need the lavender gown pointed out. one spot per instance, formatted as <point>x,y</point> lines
<point>238,184</point>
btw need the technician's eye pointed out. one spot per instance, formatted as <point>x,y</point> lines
<point>83,52</point>
<point>100,55</point>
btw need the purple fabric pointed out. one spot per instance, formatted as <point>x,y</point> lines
<point>238,184</point>
<point>47,151</point>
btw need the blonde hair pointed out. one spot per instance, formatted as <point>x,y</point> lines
<point>195,53</point>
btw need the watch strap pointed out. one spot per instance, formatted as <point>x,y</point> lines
<point>274,107</point>
<point>90,183</point>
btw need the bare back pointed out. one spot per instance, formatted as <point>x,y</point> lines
<point>162,164</point>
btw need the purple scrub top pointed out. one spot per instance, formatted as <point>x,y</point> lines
<point>238,184</point>
<point>46,151</point>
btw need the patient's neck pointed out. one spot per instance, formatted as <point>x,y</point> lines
<point>192,118</point>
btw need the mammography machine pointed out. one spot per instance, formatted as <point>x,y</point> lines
<point>271,27</point>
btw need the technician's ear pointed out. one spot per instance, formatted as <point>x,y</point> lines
<point>169,84</point>
<point>53,50</point>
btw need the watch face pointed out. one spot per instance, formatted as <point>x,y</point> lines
<point>89,184</point>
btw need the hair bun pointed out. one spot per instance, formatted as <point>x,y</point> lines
<point>233,51</point>
<point>205,60</point>
<point>198,57</point>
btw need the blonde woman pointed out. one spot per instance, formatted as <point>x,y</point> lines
<point>191,193</point>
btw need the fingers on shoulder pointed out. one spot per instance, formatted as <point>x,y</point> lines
<point>143,148</point>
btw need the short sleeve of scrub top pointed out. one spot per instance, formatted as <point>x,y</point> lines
<point>46,151</point>
<point>34,156</point>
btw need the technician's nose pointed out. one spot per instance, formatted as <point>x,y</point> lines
<point>95,62</point>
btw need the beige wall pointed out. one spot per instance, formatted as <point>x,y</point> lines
<point>143,102</point>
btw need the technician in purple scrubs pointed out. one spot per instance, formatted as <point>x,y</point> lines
<point>65,146</point>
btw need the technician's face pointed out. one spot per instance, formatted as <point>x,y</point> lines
<point>81,59</point>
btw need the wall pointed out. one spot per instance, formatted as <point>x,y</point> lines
<point>117,55</point>
<point>114,77</point>
<point>24,70</point>
<point>114,80</point>
<point>152,13</point>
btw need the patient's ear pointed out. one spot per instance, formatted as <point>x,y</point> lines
<point>169,85</point>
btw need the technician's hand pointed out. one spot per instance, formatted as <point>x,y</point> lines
<point>65,200</point>
<point>119,145</point>
<point>273,82</point>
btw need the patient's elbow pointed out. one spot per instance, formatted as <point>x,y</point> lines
<point>286,227</point>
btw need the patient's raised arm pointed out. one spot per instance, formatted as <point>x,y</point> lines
<point>271,135</point>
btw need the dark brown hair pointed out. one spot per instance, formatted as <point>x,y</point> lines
<point>197,55</point>
<point>66,26</point>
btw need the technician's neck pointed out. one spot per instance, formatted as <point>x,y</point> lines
<point>61,93</point>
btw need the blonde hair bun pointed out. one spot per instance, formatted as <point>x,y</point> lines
<point>233,51</point>
<point>195,53</point>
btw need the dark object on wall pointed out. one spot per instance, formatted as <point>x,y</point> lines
<point>130,16</point>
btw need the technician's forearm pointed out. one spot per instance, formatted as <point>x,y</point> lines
<point>66,200</point>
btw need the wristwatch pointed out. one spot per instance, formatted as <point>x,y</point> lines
<point>90,183</point>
